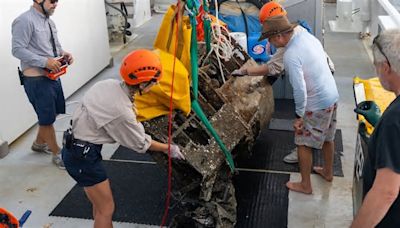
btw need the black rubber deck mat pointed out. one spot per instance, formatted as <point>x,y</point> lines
<point>262,200</point>
<point>284,109</point>
<point>273,145</point>
<point>123,153</point>
<point>281,124</point>
<point>139,192</point>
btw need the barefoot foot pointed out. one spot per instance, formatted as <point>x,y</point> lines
<point>298,187</point>
<point>322,173</point>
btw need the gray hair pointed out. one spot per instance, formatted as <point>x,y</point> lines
<point>389,42</point>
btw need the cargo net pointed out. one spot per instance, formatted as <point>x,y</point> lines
<point>237,108</point>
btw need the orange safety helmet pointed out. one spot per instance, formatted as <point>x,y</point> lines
<point>271,9</point>
<point>140,66</point>
<point>8,220</point>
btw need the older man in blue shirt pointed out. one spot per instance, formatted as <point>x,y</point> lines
<point>36,45</point>
<point>315,95</point>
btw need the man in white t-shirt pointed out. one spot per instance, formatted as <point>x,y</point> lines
<point>275,67</point>
<point>315,95</point>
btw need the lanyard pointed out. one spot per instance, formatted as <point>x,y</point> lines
<point>53,43</point>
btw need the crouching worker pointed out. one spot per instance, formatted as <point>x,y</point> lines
<point>106,115</point>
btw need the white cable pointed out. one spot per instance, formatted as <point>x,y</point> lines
<point>221,44</point>
<point>217,39</point>
<point>222,72</point>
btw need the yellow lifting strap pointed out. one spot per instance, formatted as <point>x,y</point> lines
<point>166,36</point>
<point>156,102</point>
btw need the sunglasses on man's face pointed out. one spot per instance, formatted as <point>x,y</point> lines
<point>377,44</point>
<point>53,1</point>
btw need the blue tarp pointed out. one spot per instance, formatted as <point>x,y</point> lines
<point>237,23</point>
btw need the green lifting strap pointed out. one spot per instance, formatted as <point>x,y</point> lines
<point>195,105</point>
<point>193,58</point>
<point>207,27</point>
<point>197,109</point>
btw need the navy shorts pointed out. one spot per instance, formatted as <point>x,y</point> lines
<point>83,163</point>
<point>46,97</point>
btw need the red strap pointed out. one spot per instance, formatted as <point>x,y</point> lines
<point>168,196</point>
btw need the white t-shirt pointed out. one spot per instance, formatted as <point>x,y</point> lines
<point>314,87</point>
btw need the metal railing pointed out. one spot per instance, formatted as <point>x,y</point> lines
<point>391,10</point>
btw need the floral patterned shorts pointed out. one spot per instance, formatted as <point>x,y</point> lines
<point>318,127</point>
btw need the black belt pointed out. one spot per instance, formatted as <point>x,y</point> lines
<point>81,149</point>
<point>85,143</point>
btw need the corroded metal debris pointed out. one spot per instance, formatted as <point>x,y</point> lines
<point>237,108</point>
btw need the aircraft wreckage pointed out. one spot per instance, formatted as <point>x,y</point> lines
<point>237,108</point>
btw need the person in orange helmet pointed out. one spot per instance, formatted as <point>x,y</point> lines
<point>315,96</point>
<point>274,68</point>
<point>106,115</point>
<point>271,9</point>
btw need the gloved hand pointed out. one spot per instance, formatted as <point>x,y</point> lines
<point>176,152</point>
<point>239,73</point>
<point>370,111</point>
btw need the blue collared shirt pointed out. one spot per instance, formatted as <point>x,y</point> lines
<point>31,39</point>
